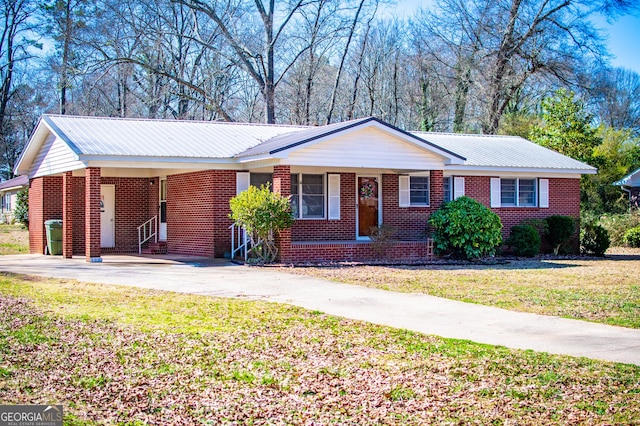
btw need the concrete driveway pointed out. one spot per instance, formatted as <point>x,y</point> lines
<point>417,312</point>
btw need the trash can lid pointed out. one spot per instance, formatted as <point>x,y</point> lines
<point>53,222</point>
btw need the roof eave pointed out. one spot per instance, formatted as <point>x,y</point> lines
<point>508,169</point>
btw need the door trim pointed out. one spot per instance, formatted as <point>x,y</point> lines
<point>162,226</point>
<point>113,226</point>
<point>379,179</point>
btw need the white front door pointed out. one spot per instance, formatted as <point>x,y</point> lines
<point>107,216</point>
<point>162,231</point>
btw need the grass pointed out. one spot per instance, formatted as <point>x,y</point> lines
<point>13,239</point>
<point>599,290</point>
<point>121,355</point>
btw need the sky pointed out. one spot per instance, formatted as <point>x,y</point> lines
<point>623,34</point>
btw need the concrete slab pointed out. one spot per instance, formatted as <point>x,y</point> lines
<point>417,312</point>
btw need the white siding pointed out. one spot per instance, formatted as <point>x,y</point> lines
<point>370,148</point>
<point>54,157</point>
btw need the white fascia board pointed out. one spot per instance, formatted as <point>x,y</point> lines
<point>496,171</point>
<point>260,157</point>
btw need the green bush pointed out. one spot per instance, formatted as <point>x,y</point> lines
<point>466,228</point>
<point>262,214</point>
<point>594,239</point>
<point>618,224</point>
<point>21,212</point>
<point>524,240</point>
<point>560,229</point>
<point>632,237</point>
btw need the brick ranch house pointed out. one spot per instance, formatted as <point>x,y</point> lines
<point>631,185</point>
<point>106,177</point>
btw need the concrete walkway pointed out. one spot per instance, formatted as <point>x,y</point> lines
<point>417,312</point>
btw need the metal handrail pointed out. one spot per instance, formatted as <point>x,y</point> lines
<point>241,235</point>
<point>146,231</point>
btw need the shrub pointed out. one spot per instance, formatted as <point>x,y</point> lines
<point>381,237</point>
<point>594,239</point>
<point>560,229</point>
<point>632,237</point>
<point>524,240</point>
<point>466,228</point>
<point>21,213</point>
<point>618,224</point>
<point>262,214</point>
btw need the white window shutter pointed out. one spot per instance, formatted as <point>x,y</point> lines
<point>403,193</point>
<point>543,190</point>
<point>242,182</point>
<point>334,197</point>
<point>458,187</point>
<point>495,192</point>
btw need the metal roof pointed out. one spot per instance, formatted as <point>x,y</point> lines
<point>161,138</point>
<point>632,179</point>
<point>17,182</point>
<point>503,152</point>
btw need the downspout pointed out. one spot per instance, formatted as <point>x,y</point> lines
<point>628,191</point>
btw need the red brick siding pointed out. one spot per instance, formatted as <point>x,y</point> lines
<point>190,213</point>
<point>67,215</point>
<point>45,202</point>
<point>356,251</point>
<point>564,199</point>
<point>132,201</point>
<point>78,216</point>
<point>225,189</point>
<point>92,213</point>
<point>326,230</point>
<point>410,222</point>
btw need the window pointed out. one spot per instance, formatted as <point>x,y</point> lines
<point>446,183</point>
<point>307,196</point>
<point>419,190</point>
<point>413,190</point>
<point>518,192</point>
<point>259,179</point>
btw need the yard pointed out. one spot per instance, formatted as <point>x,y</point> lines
<point>13,239</point>
<point>593,289</point>
<point>122,355</point>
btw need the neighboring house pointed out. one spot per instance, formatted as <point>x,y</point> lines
<point>631,185</point>
<point>106,177</point>
<point>8,196</point>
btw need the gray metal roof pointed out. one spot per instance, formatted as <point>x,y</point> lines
<point>161,138</point>
<point>17,182</point>
<point>632,179</point>
<point>503,152</point>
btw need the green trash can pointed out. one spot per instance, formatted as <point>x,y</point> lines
<point>54,236</point>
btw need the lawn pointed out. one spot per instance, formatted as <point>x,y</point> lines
<point>13,239</point>
<point>600,290</point>
<point>130,356</point>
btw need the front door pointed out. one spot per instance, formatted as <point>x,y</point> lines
<point>162,231</point>
<point>368,205</point>
<point>107,216</point>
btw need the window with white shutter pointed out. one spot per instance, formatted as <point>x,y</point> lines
<point>334,197</point>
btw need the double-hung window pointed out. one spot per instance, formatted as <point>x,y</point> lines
<point>518,192</point>
<point>413,190</point>
<point>448,188</point>
<point>307,196</point>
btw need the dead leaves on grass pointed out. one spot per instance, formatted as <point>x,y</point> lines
<point>319,372</point>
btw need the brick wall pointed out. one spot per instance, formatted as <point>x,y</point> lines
<point>410,222</point>
<point>190,213</point>
<point>132,210</point>
<point>327,230</point>
<point>564,199</point>
<point>357,251</point>
<point>225,189</point>
<point>45,202</point>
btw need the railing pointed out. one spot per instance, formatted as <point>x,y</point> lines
<point>146,231</point>
<point>239,236</point>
